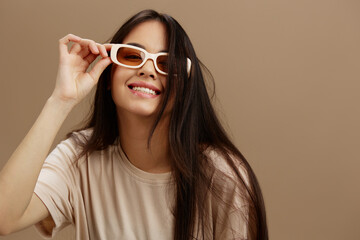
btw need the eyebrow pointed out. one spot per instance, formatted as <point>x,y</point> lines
<point>141,46</point>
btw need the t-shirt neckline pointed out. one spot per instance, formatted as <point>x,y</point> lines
<point>152,178</point>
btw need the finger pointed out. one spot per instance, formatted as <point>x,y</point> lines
<point>99,68</point>
<point>102,50</point>
<point>65,40</point>
<point>86,47</point>
<point>90,58</point>
<point>108,46</point>
<point>75,48</point>
<point>85,50</point>
<point>93,47</point>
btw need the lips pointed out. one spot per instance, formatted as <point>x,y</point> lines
<point>144,87</point>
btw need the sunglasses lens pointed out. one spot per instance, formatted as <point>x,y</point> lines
<point>130,56</point>
<point>162,63</point>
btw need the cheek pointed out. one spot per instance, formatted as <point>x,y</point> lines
<point>163,81</point>
<point>117,84</point>
<point>118,75</point>
<point>171,99</point>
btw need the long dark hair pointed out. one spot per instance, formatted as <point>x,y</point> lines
<point>194,129</point>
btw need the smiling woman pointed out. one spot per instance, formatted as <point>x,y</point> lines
<point>152,161</point>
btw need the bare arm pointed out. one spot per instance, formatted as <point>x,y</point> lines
<point>19,206</point>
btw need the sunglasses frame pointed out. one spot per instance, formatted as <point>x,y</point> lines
<point>147,56</point>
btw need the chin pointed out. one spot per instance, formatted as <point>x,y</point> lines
<point>138,111</point>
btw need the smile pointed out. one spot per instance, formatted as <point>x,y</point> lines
<point>144,90</point>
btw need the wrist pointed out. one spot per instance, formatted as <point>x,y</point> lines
<point>63,107</point>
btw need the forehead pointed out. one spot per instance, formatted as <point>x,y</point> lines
<point>151,34</point>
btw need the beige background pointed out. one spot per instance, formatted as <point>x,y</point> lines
<point>287,80</point>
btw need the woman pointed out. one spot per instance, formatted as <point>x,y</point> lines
<point>152,162</point>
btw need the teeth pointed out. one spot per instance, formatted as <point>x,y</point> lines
<point>144,90</point>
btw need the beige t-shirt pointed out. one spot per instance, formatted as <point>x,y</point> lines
<point>106,197</point>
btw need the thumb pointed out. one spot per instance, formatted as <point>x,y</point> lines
<point>99,68</point>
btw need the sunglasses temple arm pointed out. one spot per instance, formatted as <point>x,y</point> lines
<point>188,66</point>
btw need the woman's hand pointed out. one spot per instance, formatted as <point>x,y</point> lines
<point>73,82</point>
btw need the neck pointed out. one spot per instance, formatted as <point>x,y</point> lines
<point>134,134</point>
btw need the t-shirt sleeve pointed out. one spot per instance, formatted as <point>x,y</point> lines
<point>232,212</point>
<point>232,222</point>
<point>230,204</point>
<point>55,187</point>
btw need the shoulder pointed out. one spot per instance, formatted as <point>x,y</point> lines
<point>227,164</point>
<point>229,193</point>
<point>76,139</point>
<point>69,149</point>
<point>79,137</point>
<point>230,182</point>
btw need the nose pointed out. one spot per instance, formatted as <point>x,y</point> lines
<point>148,69</point>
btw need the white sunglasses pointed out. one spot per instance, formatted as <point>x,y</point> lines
<point>135,57</point>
